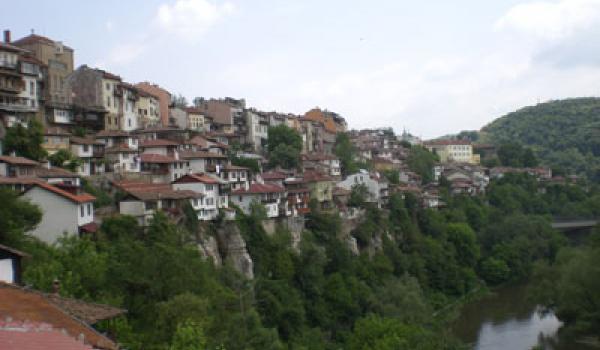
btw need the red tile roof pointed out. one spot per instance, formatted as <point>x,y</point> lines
<point>157,158</point>
<point>260,188</point>
<point>77,198</point>
<point>158,143</point>
<point>37,336</point>
<point>92,227</point>
<point>17,160</point>
<point>314,176</point>
<point>190,178</point>
<point>28,305</point>
<point>83,141</point>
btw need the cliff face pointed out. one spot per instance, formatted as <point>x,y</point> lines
<point>227,246</point>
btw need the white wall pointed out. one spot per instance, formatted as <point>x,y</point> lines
<point>6,271</point>
<point>59,215</point>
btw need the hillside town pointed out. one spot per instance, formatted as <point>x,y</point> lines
<point>134,141</point>
<point>112,148</point>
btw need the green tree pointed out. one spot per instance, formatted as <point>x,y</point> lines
<point>346,152</point>
<point>358,196</point>
<point>64,159</point>
<point>284,145</point>
<point>26,141</point>
<point>421,161</point>
<point>188,336</point>
<point>17,216</point>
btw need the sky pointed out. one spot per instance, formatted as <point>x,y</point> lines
<point>430,67</point>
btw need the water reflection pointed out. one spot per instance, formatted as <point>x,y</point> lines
<point>509,320</point>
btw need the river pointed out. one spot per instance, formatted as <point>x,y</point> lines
<point>507,319</point>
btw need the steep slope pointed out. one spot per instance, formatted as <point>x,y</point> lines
<point>564,134</point>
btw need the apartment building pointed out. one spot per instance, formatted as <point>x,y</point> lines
<point>163,96</point>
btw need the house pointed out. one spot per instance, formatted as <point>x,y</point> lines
<point>30,69</point>
<point>223,112</point>
<point>298,195</point>
<point>376,185</point>
<point>83,148</point>
<point>64,212</point>
<point>164,168</point>
<point>10,265</point>
<point>122,159</point>
<point>159,146</point>
<point>322,162</point>
<point>208,186</point>
<point>178,117</point>
<point>128,111</point>
<point>459,151</point>
<point>199,161</point>
<point>272,197</point>
<point>163,96</point>
<point>142,200</point>
<point>30,319</point>
<point>55,139</point>
<point>258,126</point>
<point>112,138</point>
<point>57,176</point>
<point>321,188</point>
<point>14,108</point>
<point>196,120</point>
<point>148,109</point>
<point>237,176</point>
<point>273,177</point>
<point>12,166</point>
<point>57,60</point>
<point>172,133</point>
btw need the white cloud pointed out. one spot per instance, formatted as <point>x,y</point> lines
<point>551,20</point>
<point>190,19</point>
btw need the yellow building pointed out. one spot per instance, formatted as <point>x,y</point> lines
<point>196,120</point>
<point>453,151</point>
<point>55,139</point>
<point>148,109</point>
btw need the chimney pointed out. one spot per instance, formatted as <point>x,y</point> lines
<point>7,36</point>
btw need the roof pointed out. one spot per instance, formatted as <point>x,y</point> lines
<point>87,312</point>
<point>17,160</point>
<point>158,143</point>
<point>112,133</point>
<point>255,188</point>
<point>146,195</point>
<point>30,59</point>
<point>22,304</point>
<point>447,142</point>
<point>273,175</point>
<point>17,180</point>
<point>340,191</point>
<point>36,39</point>
<point>157,158</point>
<point>37,336</point>
<point>8,47</point>
<point>44,172</point>
<point>108,75</point>
<point>122,148</point>
<point>83,141</point>
<point>77,198</point>
<point>152,191</point>
<point>202,178</point>
<point>91,227</point>
<point>13,251</point>
<point>200,154</point>
<point>314,176</point>
<point>233,167</point>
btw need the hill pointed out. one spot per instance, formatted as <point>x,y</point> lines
<point>564,134</point>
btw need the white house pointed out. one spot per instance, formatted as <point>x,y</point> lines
<point>198,161</point>
<point>376,185</point>
<point>159,146</point>
<point>112,138</point>
<point>83,148</point>
<point>128,106</point>
<point>142,200</point>
<point>272,197</point>
<point>208,186</point>
<point>236,176</point>
<point>63,211</point>
<point>122,159</point>
<point>322,162</point>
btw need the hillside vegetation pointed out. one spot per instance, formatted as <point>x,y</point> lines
<point>564,134</point>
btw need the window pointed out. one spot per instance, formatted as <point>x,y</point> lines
<point>86,148</point>
<point>150,205</point>
<point>208,187</point>
<point>125,155</point>
<point>108,101</point>
<point>128,122</point>
<point>82,210</point>
<point>107,87</point>
<point>31,88</point>
<point>195,202</point>
<point>89,207</point>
